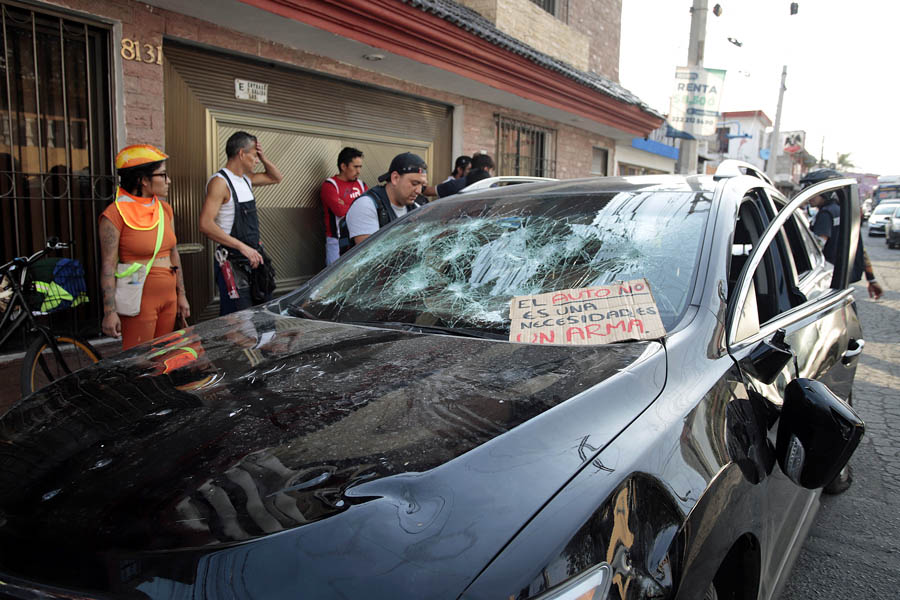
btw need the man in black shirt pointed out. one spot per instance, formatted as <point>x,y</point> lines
<point>826,226</point>
<point>482,167</point>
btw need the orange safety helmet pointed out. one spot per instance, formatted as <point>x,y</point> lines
<point>137,155</point>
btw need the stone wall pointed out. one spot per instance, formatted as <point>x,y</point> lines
<point>588,40</point>
<point>601,22</point>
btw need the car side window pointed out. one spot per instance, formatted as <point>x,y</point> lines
<point>810,242</point>
<point>773,289</point>
<point>799,252</point>
<point>747,230</point>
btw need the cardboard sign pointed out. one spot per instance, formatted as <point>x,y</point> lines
<point>586,316</point>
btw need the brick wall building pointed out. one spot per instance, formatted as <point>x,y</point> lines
<point>537,90</point>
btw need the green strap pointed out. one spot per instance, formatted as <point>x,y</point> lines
<point>159,237</point>
<point>187,349</point>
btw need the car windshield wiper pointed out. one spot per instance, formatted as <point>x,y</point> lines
<point>299,311</point>
<point>460,331</point>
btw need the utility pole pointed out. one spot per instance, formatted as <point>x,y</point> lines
<point>776,133</point>
<point>687,157</point>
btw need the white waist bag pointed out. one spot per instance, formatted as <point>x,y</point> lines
<point>130,279</point>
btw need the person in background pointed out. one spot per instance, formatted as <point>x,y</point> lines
<point>826,223</point>
<point>337,194</point>
<point>482,167</point>
<point>229,217</point>
<point>460,168</point>
<point>383,204</point>
<point>128,231</point>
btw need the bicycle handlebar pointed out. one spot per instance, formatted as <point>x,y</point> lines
<point>52,243</point>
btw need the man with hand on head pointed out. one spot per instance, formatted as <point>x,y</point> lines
<point>229,217</point>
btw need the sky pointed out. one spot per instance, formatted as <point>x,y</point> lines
<point>842,57</point>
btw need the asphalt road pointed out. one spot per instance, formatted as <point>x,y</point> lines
<point>853,550</point>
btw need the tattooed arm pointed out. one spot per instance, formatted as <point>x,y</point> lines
<point>184,308</point>
<point>109,258</point>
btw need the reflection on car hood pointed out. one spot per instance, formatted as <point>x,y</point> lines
<point>257,423</point>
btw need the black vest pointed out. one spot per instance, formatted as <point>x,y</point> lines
<point>383,208</point>
<point>246,220</point>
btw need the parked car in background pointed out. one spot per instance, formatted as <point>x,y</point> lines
<point>867,208</point>
<point>503,181</point>
<point>383,432</point>
<point>880,216</point>
<point>892,229</point>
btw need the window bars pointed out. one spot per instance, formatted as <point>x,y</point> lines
<point>557,8</point>
<point>525,149</point>
<point>56,134</point>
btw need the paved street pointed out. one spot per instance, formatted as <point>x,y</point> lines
<point>854,547</point>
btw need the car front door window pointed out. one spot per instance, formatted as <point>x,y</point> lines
<point>770,283</point>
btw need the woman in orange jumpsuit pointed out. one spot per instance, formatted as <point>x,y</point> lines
<point>128,234</point>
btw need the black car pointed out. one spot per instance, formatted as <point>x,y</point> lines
<point>375,434</point>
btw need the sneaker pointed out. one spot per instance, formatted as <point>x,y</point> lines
<point>841,483</point>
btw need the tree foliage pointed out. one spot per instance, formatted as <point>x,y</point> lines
<point>843,162</point>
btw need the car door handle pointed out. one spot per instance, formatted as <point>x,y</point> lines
<point>850,353</point>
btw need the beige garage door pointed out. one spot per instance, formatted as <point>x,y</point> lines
<point>305,122</point>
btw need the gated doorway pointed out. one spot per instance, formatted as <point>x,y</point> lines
<point>56,140</point>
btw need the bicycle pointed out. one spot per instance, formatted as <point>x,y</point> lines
<point>49,355</point>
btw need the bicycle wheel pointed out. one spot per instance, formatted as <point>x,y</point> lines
<point>41,365</point>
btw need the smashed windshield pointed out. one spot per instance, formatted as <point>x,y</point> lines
<point>457,262</point>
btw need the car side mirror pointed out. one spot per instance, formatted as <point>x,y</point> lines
<point>817,434</point>
<point>768,358</point>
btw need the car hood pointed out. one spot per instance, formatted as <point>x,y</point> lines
<point>308,450</point>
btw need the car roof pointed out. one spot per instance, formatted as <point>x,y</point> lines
<point>503,180</point>
<point>602,185</point>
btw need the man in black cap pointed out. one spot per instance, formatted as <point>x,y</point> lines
<point>826,225</point>
<point>482,168</point>
<point>382,204</point>
<point>460,168</point>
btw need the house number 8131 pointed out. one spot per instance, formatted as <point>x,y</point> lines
<point>131,50</point>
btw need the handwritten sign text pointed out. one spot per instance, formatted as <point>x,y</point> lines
<point>586,316</point>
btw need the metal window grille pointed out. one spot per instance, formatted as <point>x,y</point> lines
<point>557,8</point>
<point>525,149</point>
<point>56,137</point>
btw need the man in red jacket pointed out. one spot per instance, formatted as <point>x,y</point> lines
<point>337,194</point>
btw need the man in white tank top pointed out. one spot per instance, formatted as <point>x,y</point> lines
<point>219,219</point>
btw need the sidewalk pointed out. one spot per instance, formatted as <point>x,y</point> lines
<point>11,369</point>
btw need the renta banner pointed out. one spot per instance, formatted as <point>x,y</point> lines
<point>695,101</point>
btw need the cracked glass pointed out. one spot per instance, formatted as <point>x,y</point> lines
<point>457,263</point>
